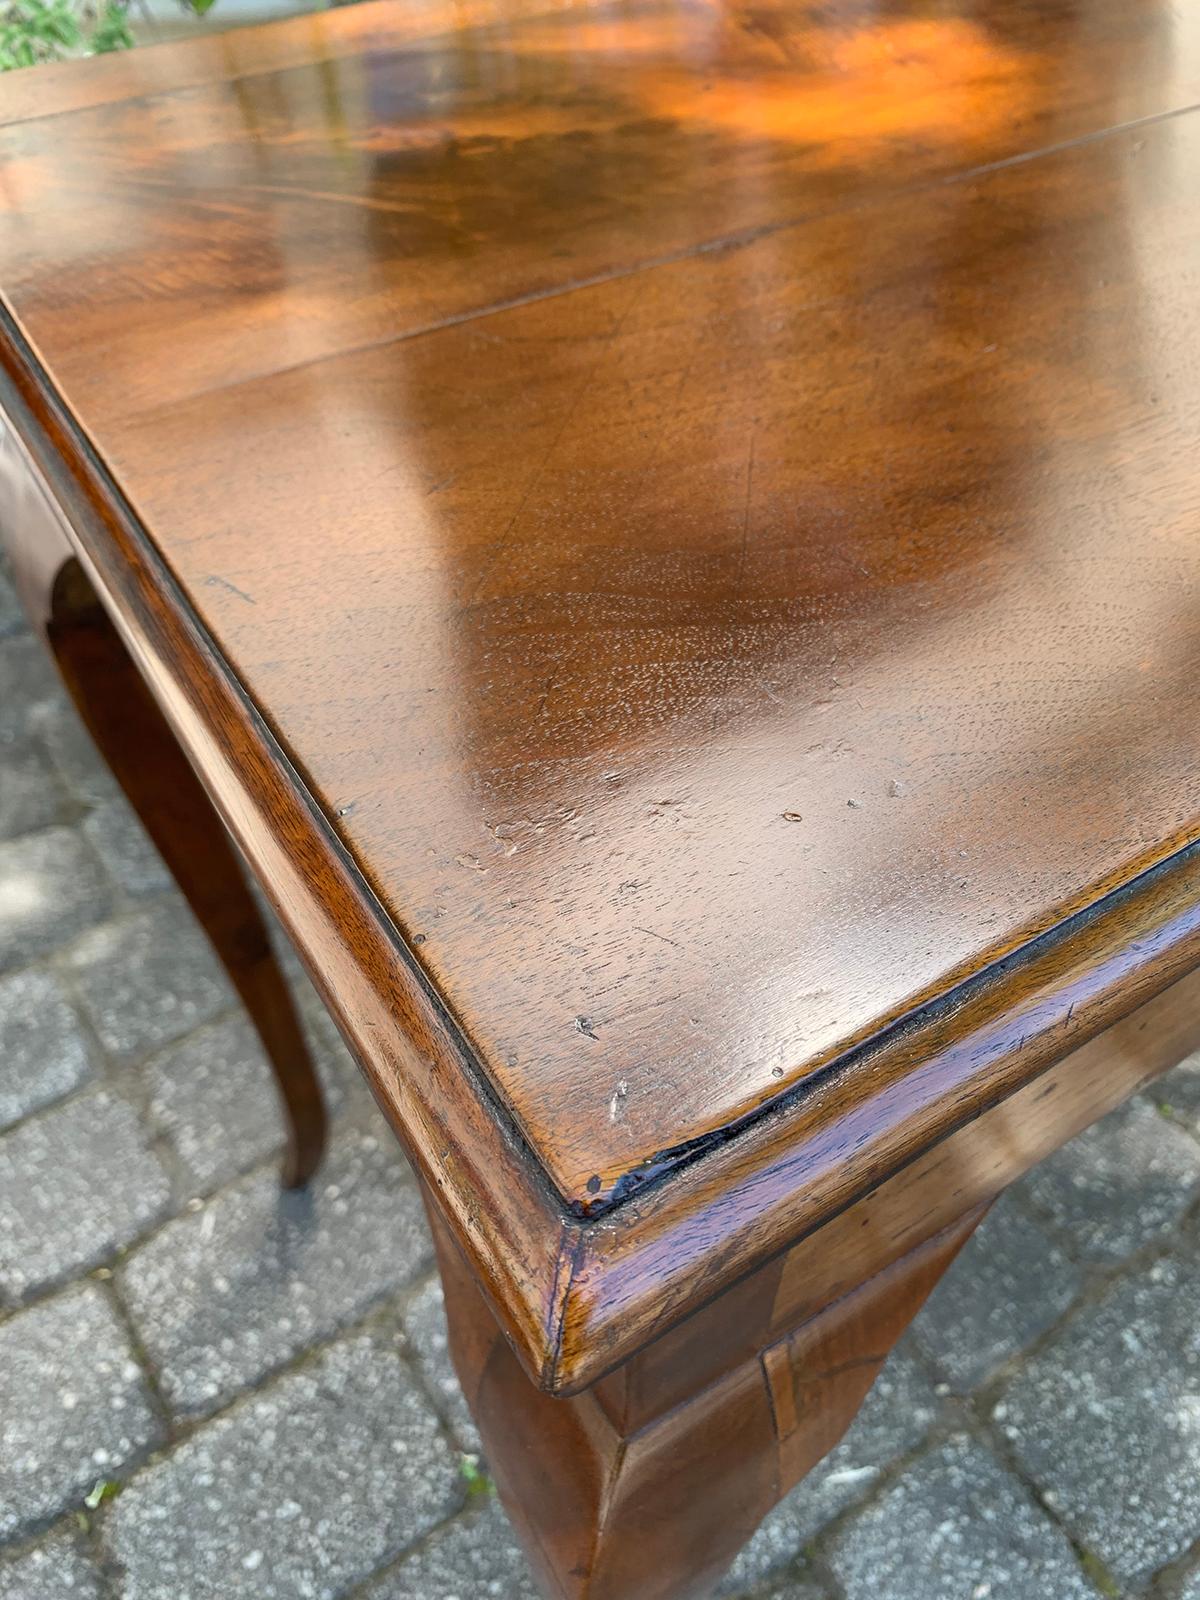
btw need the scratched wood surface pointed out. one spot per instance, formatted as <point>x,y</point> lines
<point>645,1485</point>
<point>703,496</point>
<point>654,1503</point>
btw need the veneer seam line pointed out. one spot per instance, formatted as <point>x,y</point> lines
<point>738,240</point>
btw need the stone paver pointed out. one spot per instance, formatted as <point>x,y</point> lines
<point>214,1097</point>
<point>959,1528</point>
<point>30,694</point>
<point>30,794</point>
<point>119,840</point>
<point>425,1333</point>
<point>1106,1421</point>
<point>793,1589</point>
<point>60,1216</point>
<point>51,887</point>
<point>43,1051</point>
<point>896,1416</point>
<point>147,979</point>
<point>301,1492</point>
<point>228,1293</point>
<point>12,618</point>
<point>1177,1094</point>
<point>56,1570</point>
<point>475,1558</point>
<point>75,758</point>
<point>1125,1182</point>
<point>1010,1283</point>
<point>73,1407</point>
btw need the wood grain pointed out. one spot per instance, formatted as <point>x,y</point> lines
<point>646,1484</point>
<point>938,1184</point>
<point>669,535</point>
<point>567,621</point>
<point>655,1505</point>
<point>488,1186</point>
<point>278,196</point>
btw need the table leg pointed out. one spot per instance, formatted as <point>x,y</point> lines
<point>140,749</point>
<point>645,1486</point>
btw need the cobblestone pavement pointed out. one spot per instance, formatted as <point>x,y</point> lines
<point>212,1389</point>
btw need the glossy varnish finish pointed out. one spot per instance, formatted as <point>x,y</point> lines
<point>655,1506</point>
<point>683,520</point>
<point>343,184</point>
<point>646,1485</point>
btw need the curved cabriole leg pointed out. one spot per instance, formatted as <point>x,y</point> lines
<point>137,743</point>
<point>646,1486</point>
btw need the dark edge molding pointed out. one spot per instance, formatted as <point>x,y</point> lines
<point>169,586</point>
<point>873,1113</point>
<point>448,1117</point>
<point>586,1294</point>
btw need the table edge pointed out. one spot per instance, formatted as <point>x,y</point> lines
<point>577,1296</point>
<point>416,1061</point>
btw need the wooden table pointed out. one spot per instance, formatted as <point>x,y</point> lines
<point>670,534</point>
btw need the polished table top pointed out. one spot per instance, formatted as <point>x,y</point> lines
<point>703,500</point>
